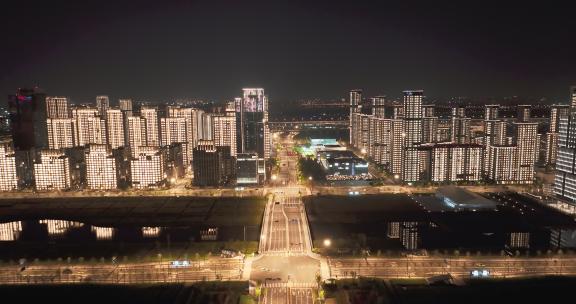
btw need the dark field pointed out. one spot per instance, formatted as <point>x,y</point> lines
<point>359,221</point>
<point>181,219</point>
<point>362,222</point>
<point>363,209</point>
<point>142,211</point>
<point>532,290</point>
<point>200,293</point>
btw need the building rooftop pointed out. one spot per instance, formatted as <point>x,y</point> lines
<point>460,198</point>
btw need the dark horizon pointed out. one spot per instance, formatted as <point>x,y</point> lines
<point>294,49</point>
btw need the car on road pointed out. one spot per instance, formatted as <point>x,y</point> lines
<point>480,273</point>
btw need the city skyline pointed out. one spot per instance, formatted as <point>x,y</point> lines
<point>287,151</point>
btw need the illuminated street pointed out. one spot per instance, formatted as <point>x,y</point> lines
<point>425,267</point>
<point>131,273</point>
<point>286,267</point>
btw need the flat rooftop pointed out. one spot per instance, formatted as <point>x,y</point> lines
<point>460,198</point>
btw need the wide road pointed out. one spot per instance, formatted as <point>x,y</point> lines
<point>134,273</point>
<point>292,295</point>
<point>286,268</point>
<point>424,267</point>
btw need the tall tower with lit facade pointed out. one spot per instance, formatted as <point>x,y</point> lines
<point>556,112</point>
<point>411,162</point>
<point>150,116</point>
<point>115,128</point>
<point>355,99</point>
<point>89,127</point>
<point>565,179</point>
<point>102,104</point>
<point>253,133</point>
<point>224,130</point>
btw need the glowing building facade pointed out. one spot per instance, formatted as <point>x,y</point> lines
<point>60,132</point>
<point>147,168</point>
<point>101,169</point>
<point>115,128</point>
<point>53,171</point>
<point>8,177</point>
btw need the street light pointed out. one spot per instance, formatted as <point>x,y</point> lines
<point>274,176</point>
<point>309,177</point>
<point>327,242</point>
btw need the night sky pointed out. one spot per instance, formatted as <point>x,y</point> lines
<point>160,50</point>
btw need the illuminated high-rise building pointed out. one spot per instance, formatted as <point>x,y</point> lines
<point>573,97</point>
<point>89,127</point>
<point>102,104</point>
<point>494,134</point>
<point>52,172</point>
<point>565,178</point>
<point>360,131</point>
<point>189,115</point>
<point>556,112</point>
<point>524,113</point>
<point>428,110</point>
<point>60,133</point>
<point>101,166</point>
<point>551,148</point>
<point>57,107</point>
<point>8,177</point>
<point>429,124</point>
<point>378,106</point>
<point>224,131</point>
<point>398,111</point>
<point>411,162</point>
<point>147,169</point>
<point>173,130</point>
<point>491,112</point>
<point>460,126</point>
<point>253,133</point>
<point>136,133</point>
<point>115,128</point>
<point>526,142</point>
<point>512,160</point>
<point>397,148</point>
<point>150,116</point>
<point>380,141</point>
<point>502,167</point>
<point>125,106</point>
<point>451,162</point>
<point>355,100</point>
